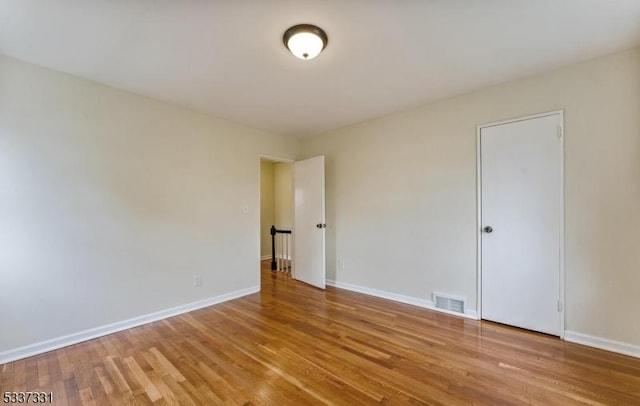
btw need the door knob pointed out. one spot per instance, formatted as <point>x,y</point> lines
<point>321,225</point>
<point>488,229</point>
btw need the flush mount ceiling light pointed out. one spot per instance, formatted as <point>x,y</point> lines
<point>305,41</point>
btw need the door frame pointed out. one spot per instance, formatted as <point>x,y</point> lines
<point>561,237</point>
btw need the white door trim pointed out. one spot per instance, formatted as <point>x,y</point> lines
<point>275,159</point>
<point>560,113</point>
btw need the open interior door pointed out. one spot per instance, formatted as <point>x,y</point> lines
<point>309,222</point>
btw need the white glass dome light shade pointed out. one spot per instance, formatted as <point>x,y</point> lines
<point>305,41</point>
<point>305,45</point>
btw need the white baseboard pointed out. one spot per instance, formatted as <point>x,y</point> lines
<point>603,343</point>
<point>55,343</point>
<point>426,304</point>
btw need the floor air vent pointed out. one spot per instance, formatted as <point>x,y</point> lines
<point>448,302</point>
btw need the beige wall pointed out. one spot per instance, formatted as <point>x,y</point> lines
<point>267,206</point>
<point>110,203</point>
<point>401,192</point>
<point>283,184</point>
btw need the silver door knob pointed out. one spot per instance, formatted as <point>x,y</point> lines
<point>488,229</point>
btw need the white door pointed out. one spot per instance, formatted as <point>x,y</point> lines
<point>309,222</point>
<point>521,223</point>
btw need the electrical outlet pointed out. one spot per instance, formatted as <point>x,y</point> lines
<point>197,281</point>
<point>245,208</point>
<point>339,265</point>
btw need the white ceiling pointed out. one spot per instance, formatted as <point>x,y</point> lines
<point>226,57</point>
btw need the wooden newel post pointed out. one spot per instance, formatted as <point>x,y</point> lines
<point>274,266</point>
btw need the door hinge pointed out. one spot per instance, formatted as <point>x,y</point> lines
<point>559,305</point>
<point>560,131</point>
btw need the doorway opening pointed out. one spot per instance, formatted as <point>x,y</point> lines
<point>276,213</point>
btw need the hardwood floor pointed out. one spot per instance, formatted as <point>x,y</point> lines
<point>294,344</point>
